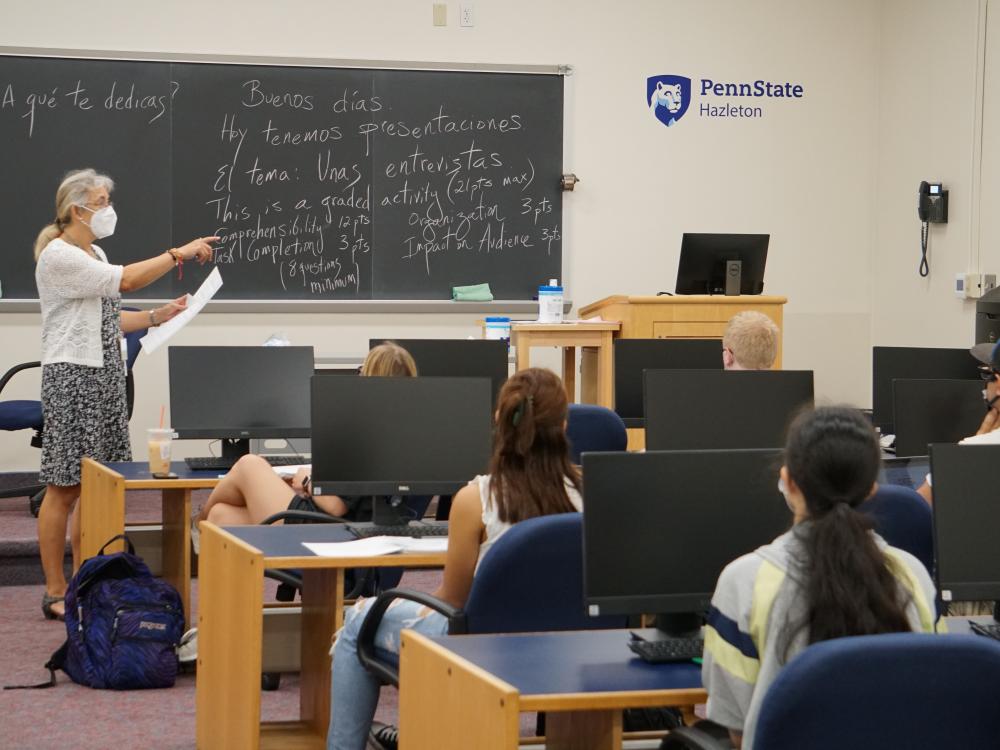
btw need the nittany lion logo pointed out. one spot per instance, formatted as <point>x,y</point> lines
<point>668,97</point>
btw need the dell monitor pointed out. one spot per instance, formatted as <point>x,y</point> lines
<point>464,358</point>
<point>723,409</point>
<point>659,527</point>
<point>935,411</point>
<point>966,519</point>
<point>399,436</point>
<point>235,393</point>
<point>722,263</point>
<point>633,356</point>
<point>897,362</point>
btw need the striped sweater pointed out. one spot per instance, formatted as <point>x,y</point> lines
<point>757,597</point>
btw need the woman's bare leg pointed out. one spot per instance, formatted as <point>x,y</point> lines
<point>52,518</point>
<point>251,484</point>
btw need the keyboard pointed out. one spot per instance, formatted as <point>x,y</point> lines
<point>219,463</point>
<point>991,630</point>
<point>668,650</point>
<point>412,530</point>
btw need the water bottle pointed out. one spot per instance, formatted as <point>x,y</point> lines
<point>550,302</point>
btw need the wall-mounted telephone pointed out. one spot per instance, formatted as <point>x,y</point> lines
<point>932,205</point>
<point>932,208</point>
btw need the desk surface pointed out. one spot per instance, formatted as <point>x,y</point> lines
<point>581,662</point>
<point>138,471</point>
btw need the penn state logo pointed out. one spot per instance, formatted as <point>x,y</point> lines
<point>668,97</point>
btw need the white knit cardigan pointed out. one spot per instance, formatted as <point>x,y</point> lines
<point>71,284</point>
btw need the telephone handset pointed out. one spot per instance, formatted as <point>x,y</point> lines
<point>932,208</point>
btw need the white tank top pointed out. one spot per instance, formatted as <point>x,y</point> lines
<point>495,528</point>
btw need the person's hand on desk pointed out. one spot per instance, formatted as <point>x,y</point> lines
<point>300,482</point>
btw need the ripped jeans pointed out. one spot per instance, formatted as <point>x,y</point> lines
<point>354,690</point>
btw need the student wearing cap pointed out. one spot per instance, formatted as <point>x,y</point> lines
<point>750,342</point>
<point>989,431</point>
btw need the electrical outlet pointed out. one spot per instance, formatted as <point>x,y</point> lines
<point>440,14</point>
<point>467,15</point>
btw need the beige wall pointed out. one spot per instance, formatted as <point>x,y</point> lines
<point>831,177</point>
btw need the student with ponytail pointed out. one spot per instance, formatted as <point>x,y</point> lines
<point>531,475</point>
<point>829,576</point>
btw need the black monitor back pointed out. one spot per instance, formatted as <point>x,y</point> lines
<point>632,356</point>
<point>966,520</point>
<point>660,526</point>
<point>399,436</point>
<point>702,265</point>
<point>463,358</point>
<point>256,391</point>
<point>719,409</point>
<point>935,411</point>
<point>896,362</point>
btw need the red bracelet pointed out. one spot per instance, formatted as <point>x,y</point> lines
<point>178,262</point>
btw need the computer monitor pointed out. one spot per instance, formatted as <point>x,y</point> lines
<point>659,526</point>
<point>235,393</point>
<point>632,356</point>
<point>399,436</point>
<point>463,358</point>
<point>896,362</point>
<point>966,519</point>
<point>723,409</point>
<point>935,411</point>
<point>704,257</point>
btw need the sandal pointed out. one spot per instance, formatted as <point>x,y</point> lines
<point>51,614</point>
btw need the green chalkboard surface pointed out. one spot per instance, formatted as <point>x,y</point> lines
<point>324,183</point>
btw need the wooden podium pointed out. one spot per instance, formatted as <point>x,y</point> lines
<point>694,316</point>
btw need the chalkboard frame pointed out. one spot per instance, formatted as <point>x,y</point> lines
<point>434,306</point>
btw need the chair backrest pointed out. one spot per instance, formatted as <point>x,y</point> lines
<point>594,428</point>
<point>532,580</point>
<point>905,520</point>
<point>904,690</point>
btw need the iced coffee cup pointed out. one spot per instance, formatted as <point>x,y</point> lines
<point>159,440</point>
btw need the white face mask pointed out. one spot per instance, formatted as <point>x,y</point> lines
<point>783,489</point>
<point>103,221</point>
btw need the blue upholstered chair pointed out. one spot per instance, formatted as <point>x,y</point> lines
<point>530,580</point>
<point>594,428</point>
<point>27,414</point>
<point>904,690</point>
<point>905,520</point>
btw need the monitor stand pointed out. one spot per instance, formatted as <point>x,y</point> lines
<point>235,448</point>
<point>680,624</point>
<point>389,511</point>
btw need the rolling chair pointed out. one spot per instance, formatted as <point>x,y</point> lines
<point>27,414</point>
<point>902,690</point>
<point>905,520</point>
<point>531,580</point>
<point>594,428</point>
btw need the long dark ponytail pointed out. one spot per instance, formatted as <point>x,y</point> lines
<point>531,461</point>
<point>833,456</point>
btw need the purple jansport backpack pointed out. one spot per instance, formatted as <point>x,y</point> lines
<point>122,624</point>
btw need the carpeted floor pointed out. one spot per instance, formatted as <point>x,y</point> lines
<point>71,716</point>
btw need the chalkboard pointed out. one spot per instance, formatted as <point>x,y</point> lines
<point>324,183</point>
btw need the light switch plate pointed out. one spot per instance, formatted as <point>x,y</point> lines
<point>440,14</point>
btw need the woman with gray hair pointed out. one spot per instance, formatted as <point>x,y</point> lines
<point>83,372</point>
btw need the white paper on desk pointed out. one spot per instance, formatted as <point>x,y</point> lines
<point>376,546</point>
<point>156,337</point>
<point>287,472</point>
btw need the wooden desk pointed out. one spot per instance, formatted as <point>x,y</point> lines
<point>230,614</point>
<point>102,512</point>
<point>458,692</point>
<point>597,336</point>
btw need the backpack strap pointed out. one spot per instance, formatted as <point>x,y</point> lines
<point>56,661</point>
<point>128,543</point>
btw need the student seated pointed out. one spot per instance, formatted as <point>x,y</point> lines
<point>531,475</point>
<point>829,576</point>
<point>750,342</point>
<point>989,431</point>
<point>252,491</point>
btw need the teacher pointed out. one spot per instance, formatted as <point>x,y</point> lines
<point>84,407</point>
